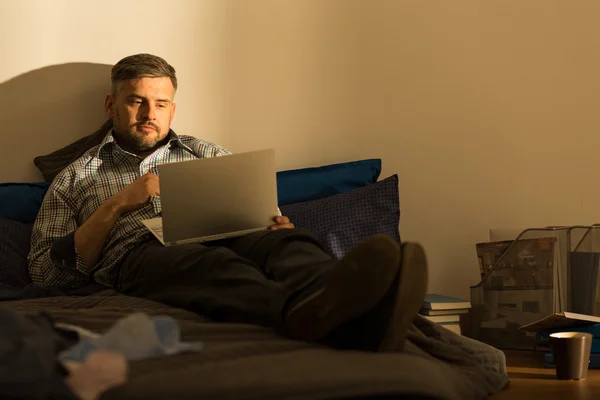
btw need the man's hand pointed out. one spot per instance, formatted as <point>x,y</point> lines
<point>281,223</point>
<point>90,237</point>
<point>137,194</point>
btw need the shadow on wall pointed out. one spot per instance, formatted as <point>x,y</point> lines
<point>45,109</point>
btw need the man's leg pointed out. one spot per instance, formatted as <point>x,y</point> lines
<point>365,301</point>
<point>285,279</point>
<point>384,328</point>
<point>322,292</point>
<point>213,281</point>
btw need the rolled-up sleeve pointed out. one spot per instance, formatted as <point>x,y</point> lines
<point>53,258</point>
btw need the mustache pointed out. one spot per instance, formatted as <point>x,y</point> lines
<point>147,124</point>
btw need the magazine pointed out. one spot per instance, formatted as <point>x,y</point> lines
<point>518,263</point>
<point>560,320</point>
<point>525,275</point>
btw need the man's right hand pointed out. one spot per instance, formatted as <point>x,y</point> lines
<point>137,194</point>
<point>90,237</point>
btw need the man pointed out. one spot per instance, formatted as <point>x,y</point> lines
<point>89,229</point>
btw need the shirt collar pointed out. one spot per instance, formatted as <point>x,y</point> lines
<point>174,140</point>
<point>107,139</point>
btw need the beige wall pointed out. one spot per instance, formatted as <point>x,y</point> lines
<point>48,47</point>
<point>485,109</point>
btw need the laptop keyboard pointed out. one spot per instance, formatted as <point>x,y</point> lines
<point>158,229</point>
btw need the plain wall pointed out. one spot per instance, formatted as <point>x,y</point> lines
<point>485,109</point>
<point>50,44</point>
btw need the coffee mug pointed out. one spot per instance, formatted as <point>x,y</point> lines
<point>571,354</point>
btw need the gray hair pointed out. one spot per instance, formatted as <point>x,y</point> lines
<point>140,66</point>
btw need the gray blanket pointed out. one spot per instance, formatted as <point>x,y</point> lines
<point>248,362</point>
<point>475,369</point>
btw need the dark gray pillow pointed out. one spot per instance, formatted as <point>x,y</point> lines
<point>15,237</point>
<point>15,281</point>
<point>343,220</point>
<point>51,164</point>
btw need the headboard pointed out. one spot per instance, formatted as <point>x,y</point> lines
<point>45,109</point>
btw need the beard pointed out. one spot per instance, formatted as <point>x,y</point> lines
<point>135,141</point>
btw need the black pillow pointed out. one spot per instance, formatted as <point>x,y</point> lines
<point>342,220</point>
<point>52,164</point>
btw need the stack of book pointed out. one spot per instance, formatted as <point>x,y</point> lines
<point>445,310</point>
<point>566,322</point>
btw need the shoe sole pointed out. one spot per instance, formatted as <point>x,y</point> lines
<point>356,285</point>
<point>409,297</point>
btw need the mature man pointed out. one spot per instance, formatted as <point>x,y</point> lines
<point>89,229</point>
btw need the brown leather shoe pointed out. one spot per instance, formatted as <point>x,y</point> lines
<point>384,327</point>
<point>357,283</point>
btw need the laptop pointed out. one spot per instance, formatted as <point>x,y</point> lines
<point>215,198</point>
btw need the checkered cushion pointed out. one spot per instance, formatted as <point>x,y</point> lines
<point>342,220</point>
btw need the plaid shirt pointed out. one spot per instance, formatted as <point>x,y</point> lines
<point>79,190</point>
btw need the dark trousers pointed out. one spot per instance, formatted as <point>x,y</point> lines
<point>252,279</point>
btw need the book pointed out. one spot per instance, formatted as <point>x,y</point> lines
<point>543,337</point>
<point>424,311</point>
<point>453,327</point>
<point>437,302</point>
<point>443,318</point>
<point>560,320</point>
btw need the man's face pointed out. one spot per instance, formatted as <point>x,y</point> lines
<point>142,112</point>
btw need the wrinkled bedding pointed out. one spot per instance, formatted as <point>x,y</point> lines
<point>247,362</point>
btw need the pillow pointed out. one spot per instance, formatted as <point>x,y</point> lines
<point>15,281</point>
<point>50,165</point>
<point>343,220</point>
<point>14,247</point>
<point>22,201</point>
<point>298,185</point>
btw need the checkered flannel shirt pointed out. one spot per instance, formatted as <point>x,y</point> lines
<point>79,190</point>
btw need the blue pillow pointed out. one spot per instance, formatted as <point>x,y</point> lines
<point>314,183</point>
<point>22,201</point>
<point>343,220</point>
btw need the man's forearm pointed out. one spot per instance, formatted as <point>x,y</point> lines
<point>91,236</point>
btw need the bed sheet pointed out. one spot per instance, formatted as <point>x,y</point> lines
<point>242,361</point>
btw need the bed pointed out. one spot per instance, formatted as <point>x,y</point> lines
<point>341,203</point>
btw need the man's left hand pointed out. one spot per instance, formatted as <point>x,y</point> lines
<point>282,223</point>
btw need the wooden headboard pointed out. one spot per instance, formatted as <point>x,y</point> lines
<point>46,109</point>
